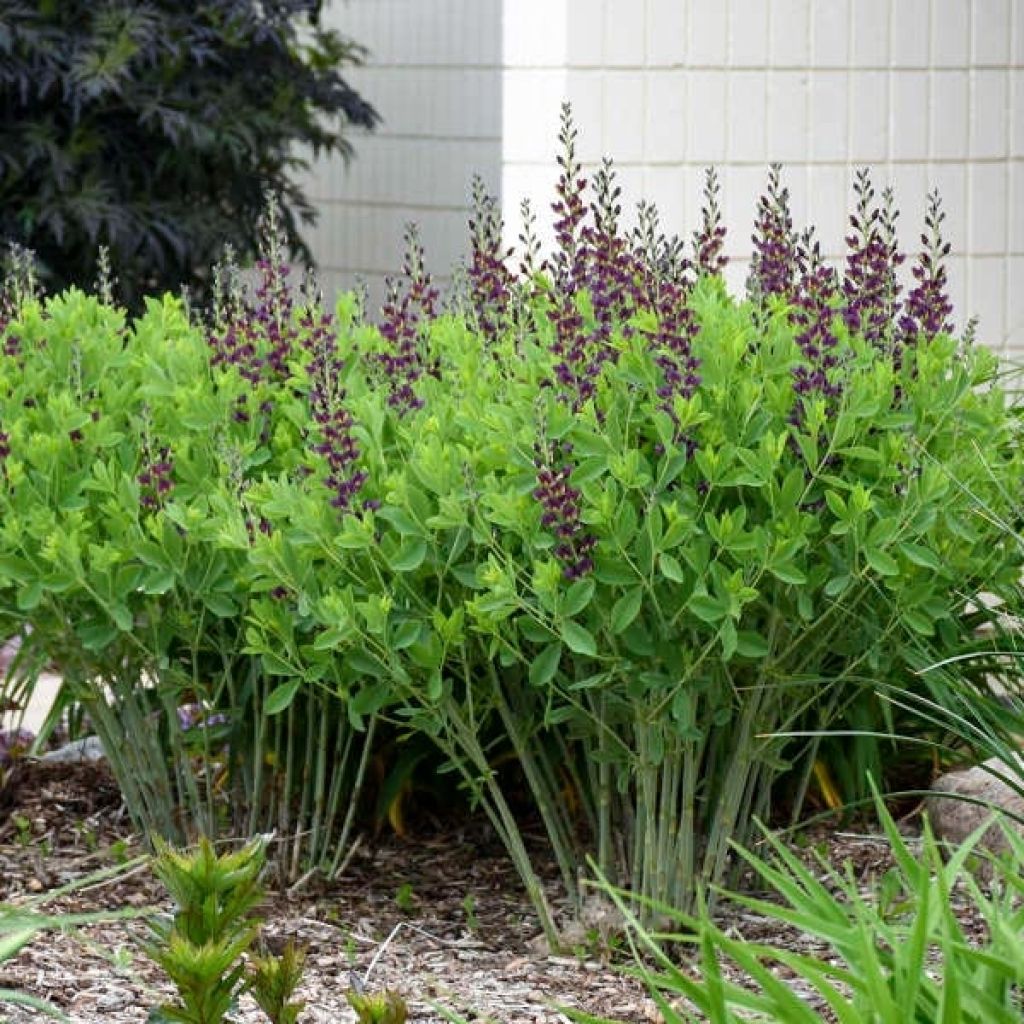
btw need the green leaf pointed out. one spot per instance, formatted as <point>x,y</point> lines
<point>281,697</point>
<point>707,608</point>
<point>881,561</point>
<point>918,621</point>
<point>836,504</point>
<point>751,644</point>
<point>626,609</point>
<point>123,618</point>
<point>545,665</point>
<point>275,665</point>
<point>920,555</point>
<point>835,586</point>
<point>788,573</point>
<point>577,597</point>
<point>670,568</point>
<point>727,637</point>
<point>410,555</point>
<point>220,604</point>
<point>405,634</point>
<point>578,639</point>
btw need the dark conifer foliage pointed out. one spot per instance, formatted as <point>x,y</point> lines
<point>156,128</point>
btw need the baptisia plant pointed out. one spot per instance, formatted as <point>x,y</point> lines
<point>649,538</point>
<point>599,530</point>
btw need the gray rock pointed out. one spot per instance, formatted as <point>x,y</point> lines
<point>953,819</point>
<point>88,748</point>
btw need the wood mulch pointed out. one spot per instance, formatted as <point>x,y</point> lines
<point>441,918</point>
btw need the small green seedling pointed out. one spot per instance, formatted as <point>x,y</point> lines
<point>385,1007</point>
<point>405,899</point>
<point>469,909</point>
<point>202,948</point>
<point>273,981</point>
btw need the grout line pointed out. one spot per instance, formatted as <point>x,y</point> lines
<point>1011,180</point>
<point>390,69</point>
<point>968,142</point>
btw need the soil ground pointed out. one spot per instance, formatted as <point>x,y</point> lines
<point>441,918</point>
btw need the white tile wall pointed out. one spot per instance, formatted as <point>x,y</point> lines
<point>748,33</point>
<point>831,33</point>
<point>871,33</point>
<point>909,21</point>
<point>928,92</point>
<point>950,32</point>
<point>667,42</point>
<point>989,32</point>
<point>908,115</point>
<point>789,26</point>
<point>624,34</point>
<point>666,117</point>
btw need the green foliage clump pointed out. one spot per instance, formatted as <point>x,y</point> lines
<point>157,129</point>
<point>604,533</point>
<point>900,953</point>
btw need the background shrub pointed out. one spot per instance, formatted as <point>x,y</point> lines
<point>157,129</point>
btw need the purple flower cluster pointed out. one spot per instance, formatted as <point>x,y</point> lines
<point>561,512</point>
<point>569,209</point>
<point>673,345</point>
<point>198,716</point>
<point>489,277</point>
<point>404,362</point>
<point>709,241</point>
<point>606,266</point>
<point>870,288</point>
<point>611,272</point>
<point>814,310</point>
<point>155,479</point>
<point>773,265</point>
<point>927,309</point>
<point>336,443</point>
<point>256,336</point>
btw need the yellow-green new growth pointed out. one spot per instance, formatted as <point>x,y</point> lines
<point>386,1007</point>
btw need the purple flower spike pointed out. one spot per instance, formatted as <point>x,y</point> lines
<point>569,209</point>
<point>489,277</point>
<point>870,288</point>
<point>813,315</point>
<point>927,309</point>
<point>335,441</point>
<point>404,362</point>
<point>773,265</point>
<point>709,242</point>
<point>561,512</point>
<point>155,479</point>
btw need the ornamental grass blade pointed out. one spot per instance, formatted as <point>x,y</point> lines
<point>22,999</point>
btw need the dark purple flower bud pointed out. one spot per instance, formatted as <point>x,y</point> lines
<point>927,308</point>
<point>569,209</point>
<point>773,266</point>
<point>404,361</point>
<point>155,478</point>
<point>709,242</point>
<point>489,278</point>
<point>561,512</point>
<point>870,288</point>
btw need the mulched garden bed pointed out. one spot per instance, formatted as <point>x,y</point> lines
<point>441,917</point>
